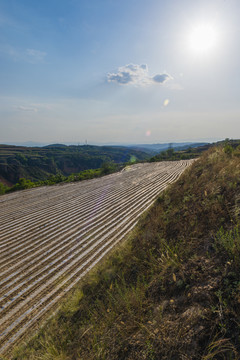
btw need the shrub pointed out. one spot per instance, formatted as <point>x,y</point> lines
<point>3,189</point>
<point>228,149</point>
<point>23,184</point>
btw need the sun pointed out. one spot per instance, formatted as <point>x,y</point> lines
<point>203,38</point>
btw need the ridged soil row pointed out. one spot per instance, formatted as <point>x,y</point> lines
<point>92,201</point>
<point>46,245</point>
<point>64,253</point>
<point>38,196</point>
<point>41,313</point>
<point>29,291</point>
<point>71,195</point>
<point>81,213</point>
<point>8,252</point>
<point>72,276</point>
<point>47,284</point>
<point>9,269</point>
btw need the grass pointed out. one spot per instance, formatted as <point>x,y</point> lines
<point>227,242</point>
<point>172,291</point>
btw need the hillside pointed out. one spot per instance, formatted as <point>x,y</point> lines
<point>156,148</point>
<point>172,290</point>
<point>183,154</point>
<point>36,164</point>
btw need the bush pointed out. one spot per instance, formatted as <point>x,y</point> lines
<point>3,189</point>
<point>23,184</point>
<point>108,168</point>
<point>228,149</point>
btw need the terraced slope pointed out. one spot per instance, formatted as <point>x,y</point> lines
<point>51,236</point>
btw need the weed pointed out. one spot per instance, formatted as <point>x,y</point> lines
<point>221,349</point>
<point>228,242</point>
<point>150,351</point>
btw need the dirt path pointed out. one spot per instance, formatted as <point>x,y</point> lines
<point>51,236</point>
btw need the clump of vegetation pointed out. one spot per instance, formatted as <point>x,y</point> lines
<point>171,154</point>
<point>22,184</point>
<point>229,146</point>
<point>3,189</point>
<point>169,292</point>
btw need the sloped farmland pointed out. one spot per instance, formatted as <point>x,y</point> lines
<point>51,236</point>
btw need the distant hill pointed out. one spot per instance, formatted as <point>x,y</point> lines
<point>183,153</point>
<point>56,146</point>
<point>38,163</point>
<point>156,148</point>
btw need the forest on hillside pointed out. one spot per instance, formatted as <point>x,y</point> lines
<point>39,163</point>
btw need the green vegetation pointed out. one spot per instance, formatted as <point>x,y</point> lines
<point>172,291</point>
<point>194,152</point>
<point>3,188</point>
<point>22,184</point>
<point>38,164</point>
<point>171,154</point>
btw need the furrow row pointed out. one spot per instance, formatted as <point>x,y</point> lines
<point>68,250</point>
<point>65,196</point>
<point>72,190</point>
<point>50,286</point>
<point>16,332</point>
<point>83,214</point>
<point>42,263</point>
<point>65,211</point>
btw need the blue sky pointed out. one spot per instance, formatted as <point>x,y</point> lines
<point>113,71</point>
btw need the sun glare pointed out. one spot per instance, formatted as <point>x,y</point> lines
<point>203,38</point>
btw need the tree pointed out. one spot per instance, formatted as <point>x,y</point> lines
<point>3,188</point>
<point>23,184</point>
<point>108,168</point>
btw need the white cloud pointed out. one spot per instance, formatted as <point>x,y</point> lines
<point>161,78</point>
<point>26,108</point>
<point>136,75</point>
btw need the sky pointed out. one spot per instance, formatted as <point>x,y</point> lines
<point>119,71</point>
